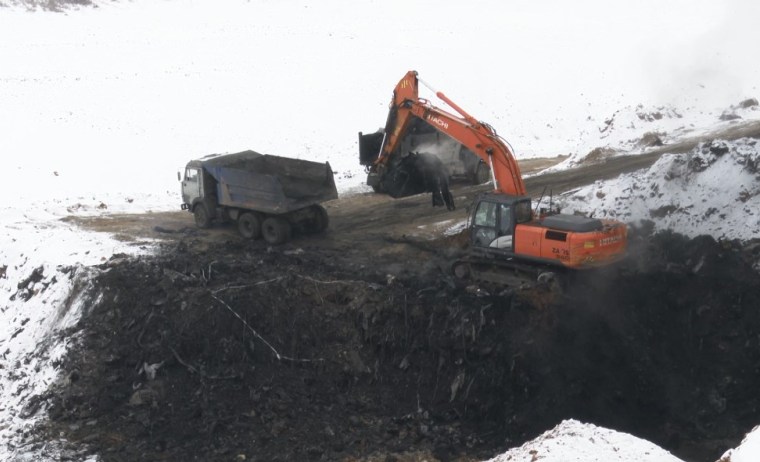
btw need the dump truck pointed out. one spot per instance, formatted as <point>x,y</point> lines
<point>267,196</point>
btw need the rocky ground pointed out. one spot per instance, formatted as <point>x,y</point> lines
<point>358,346</point>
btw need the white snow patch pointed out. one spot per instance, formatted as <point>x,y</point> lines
<point>456,227</point>
<point>44,289</point>
<point>575,441</point>
<point>438,226</point>
<point>634,130</point>
<point>747,451</point>
<point>715,190</point>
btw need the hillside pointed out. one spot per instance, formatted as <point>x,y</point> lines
<point>126,333</point>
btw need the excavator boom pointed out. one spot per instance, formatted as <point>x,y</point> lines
<point>478,137</point>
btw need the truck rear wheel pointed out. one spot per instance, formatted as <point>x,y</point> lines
<point>275,230</point>
<point>321,220</point>
<point>249,225</point>
<point>201,216</point>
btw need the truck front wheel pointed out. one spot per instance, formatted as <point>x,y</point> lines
<point>249,225</point>
<point>201,216</point>
<point>275,230</point>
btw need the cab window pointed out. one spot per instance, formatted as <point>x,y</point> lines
<point>486,214</point>
<point>191,174</point>
<point>522,212</point>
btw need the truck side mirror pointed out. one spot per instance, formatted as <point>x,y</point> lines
<point>179,177</point>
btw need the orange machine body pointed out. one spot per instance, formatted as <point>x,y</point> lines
<point>577,250</point>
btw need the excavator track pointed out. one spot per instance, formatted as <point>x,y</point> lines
<point>508,274</point>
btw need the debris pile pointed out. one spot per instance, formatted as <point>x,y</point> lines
<point>236,350</point>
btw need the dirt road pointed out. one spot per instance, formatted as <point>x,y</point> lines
<point>360,216</point>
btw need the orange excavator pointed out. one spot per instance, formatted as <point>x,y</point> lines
<point>505,230</point>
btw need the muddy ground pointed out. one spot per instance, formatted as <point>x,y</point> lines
<point>356,345</point>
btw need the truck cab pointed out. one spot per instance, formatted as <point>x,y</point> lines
<point>198,193</point>
<point>192,186</point>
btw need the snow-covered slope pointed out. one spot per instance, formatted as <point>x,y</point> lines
<point>44,289</point>
<point>120,96</point>
<point>573,441</point>
<point>747,451</point>
<point>715,189</point>
<point>635,130</point>
<point>99,107</point>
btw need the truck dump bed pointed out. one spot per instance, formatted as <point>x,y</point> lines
<point>268,183</point>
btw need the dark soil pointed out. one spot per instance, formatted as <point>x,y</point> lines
<point>315,352</point>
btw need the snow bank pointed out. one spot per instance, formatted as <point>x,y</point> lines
<point>715,189</point>
<point>634,130</point>
<point>33,328</point>
<point>748,451</point>
<point>576,441</point>
<point>120,96</point>
<point>44,289</point>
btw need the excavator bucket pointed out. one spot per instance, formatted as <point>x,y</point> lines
<point>418,173</point>
<point>369,147</point>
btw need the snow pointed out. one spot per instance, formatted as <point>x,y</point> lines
<point>572,440</point>
<point>747,451</point>
<point>102,106</point>
<point>33,315</point>
<point>126,93</point>
<point>633,130</point>
<point>715,189</point>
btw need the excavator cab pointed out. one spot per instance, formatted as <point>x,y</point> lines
<point>494,218</point>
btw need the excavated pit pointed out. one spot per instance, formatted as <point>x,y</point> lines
<point>236,351</point>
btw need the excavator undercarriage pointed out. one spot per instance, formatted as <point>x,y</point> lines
<point>503,273</point>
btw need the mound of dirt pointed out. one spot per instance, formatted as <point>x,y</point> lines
<point>236,351</point>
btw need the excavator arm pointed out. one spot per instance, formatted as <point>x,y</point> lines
<point>480,138</point>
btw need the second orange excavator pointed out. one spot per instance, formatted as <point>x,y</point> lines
<point>504,229</point>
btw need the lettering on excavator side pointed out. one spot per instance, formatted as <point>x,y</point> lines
<point>561,254</point>
<point>437,121</point>
<point>610,240</point>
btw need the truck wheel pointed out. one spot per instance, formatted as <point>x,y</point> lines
<point>201,216</point>
<point>249,225</point>
<point>321,220</point>
<point>275,230</point>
